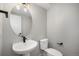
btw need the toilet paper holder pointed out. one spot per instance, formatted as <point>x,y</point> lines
<point>60,43</point>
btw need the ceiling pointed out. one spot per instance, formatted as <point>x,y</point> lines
<point>44,5</point>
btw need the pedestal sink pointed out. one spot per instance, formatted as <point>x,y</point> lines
<point>24,48</point>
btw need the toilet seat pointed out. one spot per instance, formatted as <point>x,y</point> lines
<point>53,52</point>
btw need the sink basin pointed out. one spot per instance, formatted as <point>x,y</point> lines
<point>24,48</point>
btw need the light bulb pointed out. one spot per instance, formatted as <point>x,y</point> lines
<point>28,5</point>
<point>18,7</point>
<point>25,9</point>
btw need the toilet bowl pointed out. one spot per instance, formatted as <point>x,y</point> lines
<point>48,51</point>
<point>52,52</point>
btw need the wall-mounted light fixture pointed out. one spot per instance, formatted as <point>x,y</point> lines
<point>5,12</point>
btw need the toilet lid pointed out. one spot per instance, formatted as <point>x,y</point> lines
<point>53,52</point>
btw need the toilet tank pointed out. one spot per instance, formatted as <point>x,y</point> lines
<point>44,44</point>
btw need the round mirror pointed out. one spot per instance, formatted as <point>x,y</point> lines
<point>21,20</point>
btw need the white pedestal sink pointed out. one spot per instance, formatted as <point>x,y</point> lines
<point>24,48</point>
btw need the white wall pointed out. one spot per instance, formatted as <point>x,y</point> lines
<point>38,29</point>
<point>63,26</point>
<point>26,25</point>
<point>1,33</point>
<point>39,22</point>
<point>1,30</point>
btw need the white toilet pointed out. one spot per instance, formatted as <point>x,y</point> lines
<point>48,51</point>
